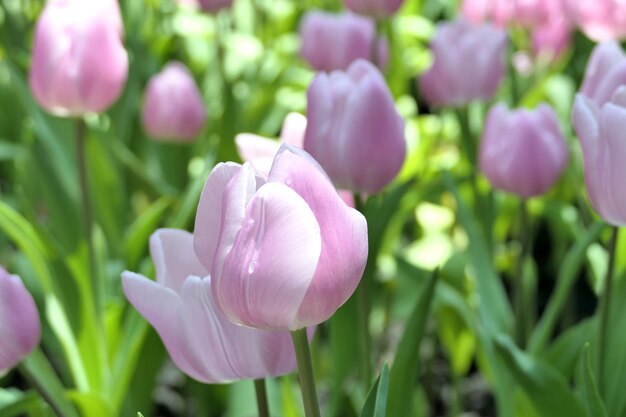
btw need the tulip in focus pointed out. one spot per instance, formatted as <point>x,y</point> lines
<point>523,151</point>
<point>600,20</point>
<point>606,71</point>
<point>469,63</point>
<point>374,8</point>
<point>173,109</point>
<point>284,253</point>
<point>354,130</point>
<point>333,41</point>
<point>199,338</point>
<point>79,64</point>
<point>20,329</point>
<point>601,133</point>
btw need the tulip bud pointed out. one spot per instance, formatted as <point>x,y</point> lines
<point>523,151</point>
<point>79,64</point>
<point>601,134</point>
<point>375,8</point>
<point>173,109</point>
<point>211,6</point>
<point>469,63</point>
<point>20,329</point>
<point>606,71</point>
<point>552,38</point>
<point>600,20</point>
<point>333,41</point>
<point>284,253</point>
<point>354,130</point>
<point>197,335</point>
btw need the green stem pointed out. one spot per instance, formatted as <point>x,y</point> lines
<point>605,305</point>
<point>81,158</point>
<point>518,285</point>
<point>41,388</point>
<point>261,398</point>
<point>305,371</point>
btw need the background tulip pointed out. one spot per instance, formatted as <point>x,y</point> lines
<point>552,38</point>
<point>199,338</point>
<point>600,20</point>
<point>79,64</point>
<point>375,8</point>
<point>526,13</point>
<point>523,151</point>
<point>20,329</point>
<point>606,71</point>
<point>211,6</point>
<point>354,130</point>
<point>284,254</point>
<point>469,63</point>
<point>601,134</point>
<point>333,41</point>
<point>173,108</point>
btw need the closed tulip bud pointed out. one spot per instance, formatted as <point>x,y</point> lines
<point>20,329</point>
<point>375,8</point>
<point>197,335</point>
<point>79,64</point>
<point>354,130</point>
<point>606,71</point>
<point>173,109</point>
<point>523,151</point>
<point>469,63</point>
<point>600,20</point>
<point>601,134</point>
<point>284,253</point>
<point>211,6</point>
<point>333,41</point>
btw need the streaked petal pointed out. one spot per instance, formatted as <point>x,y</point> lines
<point>174,257</point>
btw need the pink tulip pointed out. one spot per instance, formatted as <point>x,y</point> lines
<point>199,338</point>
<point>469,63</point>
<point>20,329</point>
<point>173,108</point>
<point>79,64</point>
<point>354,129</point>
<point>284,253</point>
<point>525,13</point>
<point>211,6</point>
<point>601,133</point>
<point>606,70</point>
<point>523,151</point>
<point>333,41</point>
<point>552,38</point>
<point>600,20</point>
<point>376,8</point>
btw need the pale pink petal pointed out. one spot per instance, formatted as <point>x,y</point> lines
<point>174,257</point>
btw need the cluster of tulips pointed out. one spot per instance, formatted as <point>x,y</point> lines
<point>280,241</point>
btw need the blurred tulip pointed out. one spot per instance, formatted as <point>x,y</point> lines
<point>606,71</point>
<point>600,20</point>
<point>552,38</point>
<point>523,151</point>
<point>173,109</point>
<point>284,254</point>
<point>332,41</point>
<point>79,64</point>
<point>525,13</point>
<point>354,129</point>
<point>20,329</point>
<point>469,63</point>
<point>601,134</point>
<point>374,8</point>
<point>211,6</point>
<point>199,338</point>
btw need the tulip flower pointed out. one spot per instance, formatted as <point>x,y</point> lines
<point>375,8</point>
<point>601,134</point>
<point>606,71</point>
<point>469,63</point>
<point>211,6</point>
<point>523,151</point>
<point>524,13</point>
<point>173,108</point>
<point>354,130</point>
<point>333,41</point>
<point>284,253</point>
<point>79,64</point>
<point>20,329</point>
<point>198,336</point>
<point>552,38</point>
<point>600,20</point>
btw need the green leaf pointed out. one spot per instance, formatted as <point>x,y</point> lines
<point>548,391</point>
<point>138,234</point>
<point>564,352</point>
<point>406,363</point>
<point>18,403</point>
<point>595,406</point>
<point>376,403</point>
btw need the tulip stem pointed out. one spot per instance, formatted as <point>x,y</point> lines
<point>605,306</point>
<point>81,157</point>
<point>41,389</point>
<point>305,371</point>
<point>518,285</point>
<point>261,398</point>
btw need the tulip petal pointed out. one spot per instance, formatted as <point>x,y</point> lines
<point>274,257</point>
<point>174,258</point>
<point>257,150</point>
<point>293,130</point>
